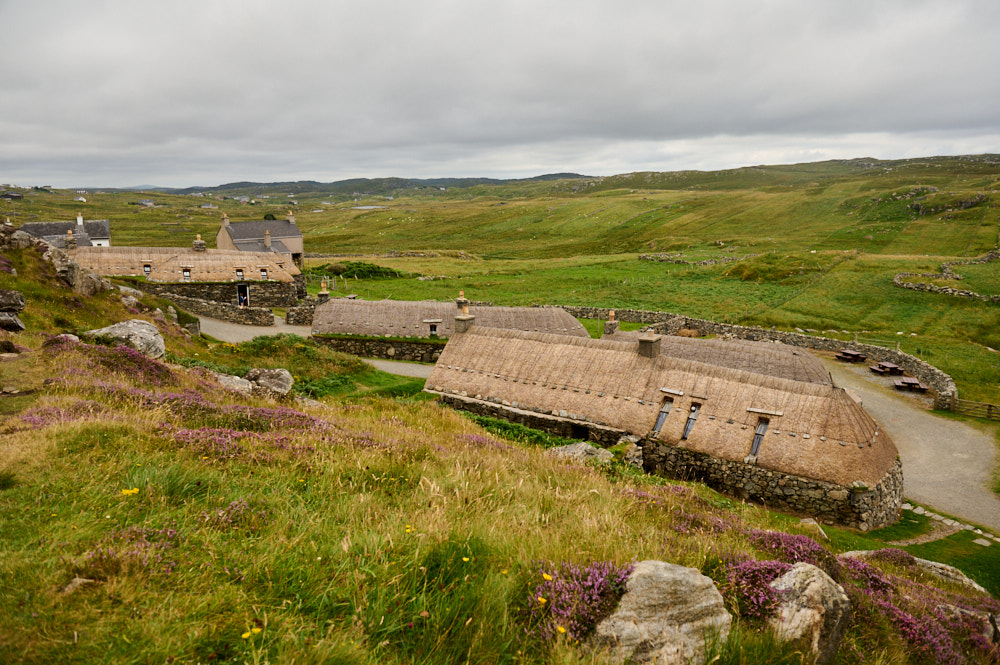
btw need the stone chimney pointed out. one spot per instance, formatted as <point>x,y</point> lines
<point>464,320</point>
<point>267,239</point>
<point>225,219</point>
<point>649,346</point>
<point>462,303</point>
<point>198,245</point>
<point>323,294</point>
<point>611,326</point>
<point>291,217</point>
<point>70,240</point>
<point>79,219</point>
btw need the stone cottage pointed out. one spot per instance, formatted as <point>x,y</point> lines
<point>279,236</point>
<point>755,420</point>
<point>67,235</point>
<point>429,318</point>
<point>224,276</point>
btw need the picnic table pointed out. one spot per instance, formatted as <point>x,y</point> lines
<point>850,356</point>
<point>909,383</point>
<point>886,368</point>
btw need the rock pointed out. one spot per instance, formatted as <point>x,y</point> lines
<point>813,607</point>
<point>19,240</point>
<point>982,542</point>
<point>136,334</point>
<point>581,452</point>
<point>812,525</point>
<point>72,275</point>
<point>129,291</point>
<point>939,570</point>
<point>633,455</point>
<point>664,617</point>
<point>278,381</point>
<point>130,301</point>
<point>75,584</point>
<point>311,403</point>
<point>9,347</point>
<point>11,301</point>
<point>10,322</point>
<point>171,314</point>
<point>234,383</point>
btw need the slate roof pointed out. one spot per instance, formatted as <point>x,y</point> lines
<point>254,230</point>
<point>98,229</point>
<point>258,246</point>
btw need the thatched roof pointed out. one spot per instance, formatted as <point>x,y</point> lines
<point>815,431</point>
<point>406,318</point>
<point>772,359</point>
<point>167,264</point>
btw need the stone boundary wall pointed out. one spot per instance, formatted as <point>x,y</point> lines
<point>675,258</point>
<point>364,347</point>
<point>856,505</point>
<point>901,279</point>
<point>669,324</point>
<point>248,316</point>
<point>262,294</point>
<point>558,425</point>
<point>302,314</point>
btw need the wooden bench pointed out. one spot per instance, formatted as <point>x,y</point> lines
<point>900,385</point>
<point>877,369</point>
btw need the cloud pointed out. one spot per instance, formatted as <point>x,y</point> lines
<point>206,92</point>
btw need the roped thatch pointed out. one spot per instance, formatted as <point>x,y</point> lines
<point>814,431</point>
<point>773,359</point>
<point>167,264</point>
<point>404,318</point>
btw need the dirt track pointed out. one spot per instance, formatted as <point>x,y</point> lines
<point>946,464</point>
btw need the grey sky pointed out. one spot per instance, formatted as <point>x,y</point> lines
<point>180,92</point>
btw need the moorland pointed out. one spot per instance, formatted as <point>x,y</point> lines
<point>377,526</point>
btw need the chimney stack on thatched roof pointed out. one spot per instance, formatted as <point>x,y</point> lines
<point>464,320</point>
<point>649,346</point>
<point>79,219</point>
<point>462,302</point>
<point>611,326</point>
<point>198,245</point>
<point>70,240</point>
<point>267,239</point>
<point>291,217</point>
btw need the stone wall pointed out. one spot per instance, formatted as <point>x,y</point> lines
<point>558,425</point>
<point>370,347</point>
<point>902,280</point>
<point>856,505</point>
<point>302,314</point>
<point>249,316</point>
<point>262,294</point>
<point>669,324</point>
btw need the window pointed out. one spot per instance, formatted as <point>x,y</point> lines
<point>263,273</point>
<point>146,269</point>
<point>187,274</point>
<point>758,435</point>
<point>239,273</point>
<point>434,330</point>
<point>692,417</point>
<point>661,417</point>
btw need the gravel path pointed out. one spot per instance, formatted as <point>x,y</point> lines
<point>946,464</point>
<point>235,333</point>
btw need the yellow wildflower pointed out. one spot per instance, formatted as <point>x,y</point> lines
<point>541,600</point>
<point>546,577</point>
<point>560,629</point>
<point>465,558</point>
<point>246,635</point>
<point>255,630</point>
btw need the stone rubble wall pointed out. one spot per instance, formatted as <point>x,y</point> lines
<point>858,506</point>
<point>902,279</point>
<point>302,314</point>
<point>262,294</point>
<point>248,316</point>
<point>669,324</point>
<point>564,426</point>
<point>367,347</point>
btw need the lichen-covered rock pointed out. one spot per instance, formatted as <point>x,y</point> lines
<point>72,275</point>
<point>136,334</point>
<point>813,607</point>
<point>666,615</point>
<point>278,381</point>
<point>11,301</point>
<point>234,383</point>
<point>581,452</point>
<point>10,322</point>
<point>130,301</point>
<point>129,291</point>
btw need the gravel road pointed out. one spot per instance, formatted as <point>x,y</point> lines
<point>946,464</point>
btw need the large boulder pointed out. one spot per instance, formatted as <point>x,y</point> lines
<point>581,452</point>
<point>813,607</point>
<point>72,275</point>
<point>277,381</point>
<point>129,291</point>
<point>11,301</point>
<point>665,617</point>
<point>136,334</point>
<point>234,383</point>
<point>10,322</point>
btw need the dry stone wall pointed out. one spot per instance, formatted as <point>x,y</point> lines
<point>902,280</point>
<point>369,347</point>
<point>669,324</point>
<point>262,294</point>
<point>855,505</point>
<point>248,316</point>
